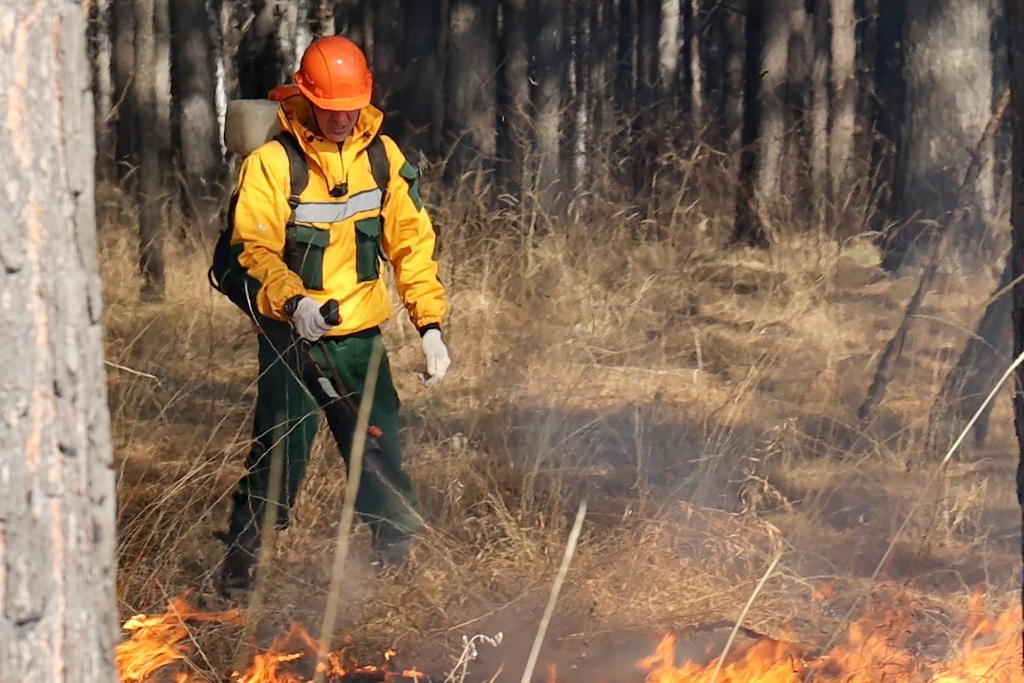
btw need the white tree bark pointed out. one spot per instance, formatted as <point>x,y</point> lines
<point>779,22</point>
<point>668,42</point>
<point>58,617</point>
<point>844,84</point>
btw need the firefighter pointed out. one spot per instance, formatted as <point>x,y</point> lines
<point>329,246</point>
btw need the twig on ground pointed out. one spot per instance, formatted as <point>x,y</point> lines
<point>348,510</point>
<point>131,371</point>
<point>743,615</point>
<point>268,536</point>
<point>570,550</point>
<point>938,473</point>
<point>469,654</point>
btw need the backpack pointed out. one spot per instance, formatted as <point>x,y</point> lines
<point>225,274</point>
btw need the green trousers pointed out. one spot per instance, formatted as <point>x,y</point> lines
<point>286,420</point>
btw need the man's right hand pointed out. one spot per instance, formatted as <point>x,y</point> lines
<point>309,321</point>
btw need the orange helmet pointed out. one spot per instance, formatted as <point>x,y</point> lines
<point>334,76</point>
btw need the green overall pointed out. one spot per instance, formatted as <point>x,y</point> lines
<point>287,416</point>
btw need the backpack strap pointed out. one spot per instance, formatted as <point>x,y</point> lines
<point>380,167</point>
<point>298,176</point>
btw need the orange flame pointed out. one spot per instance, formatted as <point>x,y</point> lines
<point>157,641</point>
<point>875,648</point>
<point>160,641</point>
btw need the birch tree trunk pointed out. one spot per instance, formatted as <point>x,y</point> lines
<point>58,615</point>
<point>161,127</point>
<point>772,134</point>
<point>844,92</point>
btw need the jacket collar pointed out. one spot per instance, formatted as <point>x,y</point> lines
<point>296,116</point>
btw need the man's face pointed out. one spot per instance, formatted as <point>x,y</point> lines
<point>335,125</point>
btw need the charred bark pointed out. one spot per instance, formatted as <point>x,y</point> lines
<point>198,132</point>
<point>819,111</point>
<point>101,54</point>
<point>384,59</point>
<point>979,366</point>
<point>58,613</point>
<point>937,254</point>
<point>514,136</point>
<point>150,186</point>
<point>748,228</point>
<point>471,86</point>
<point>122,22</point>
<point>1015,22</point>
<point>259,63</point>
<point>550,77</point>
<point>887,105</point>
<point>419,78</point>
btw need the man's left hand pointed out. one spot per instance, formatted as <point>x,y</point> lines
<point>437,357</point>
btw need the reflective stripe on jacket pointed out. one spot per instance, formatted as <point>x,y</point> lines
<point>338,240</point>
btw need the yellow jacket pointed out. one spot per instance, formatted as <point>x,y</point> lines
<point>339,237</point>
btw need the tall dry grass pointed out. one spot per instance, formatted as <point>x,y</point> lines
<point>701,397</point>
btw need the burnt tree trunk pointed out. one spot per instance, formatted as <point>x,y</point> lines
<point>550,78</point>
<point>884,36</point>
<point>471,85</point>
<point>387,28</point>
<point>101,54</point>
<point>419,79</point>
<point>822,199</point>
<point>515,133</point>
<point>194,92</point>
<point>982,361</point>
<point>259,63</point>
<point>599,61</point>
<point>122,24</point>
<point>1015,22</point>
<point>147,151</point>
<point>58,614</point>
<point>747,228</point>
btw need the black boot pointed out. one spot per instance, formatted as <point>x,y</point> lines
<point>391,553</point>
<point>243,545</point>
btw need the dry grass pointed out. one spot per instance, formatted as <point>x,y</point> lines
<point>703,400</point>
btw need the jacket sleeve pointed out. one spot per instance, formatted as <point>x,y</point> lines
<point>261,214</point>
<point>408,241</point>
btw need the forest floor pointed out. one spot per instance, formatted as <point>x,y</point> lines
<point>705,404</point>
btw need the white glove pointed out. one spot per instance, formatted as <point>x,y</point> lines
<point>437,357</point>
<point>309,322</point>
